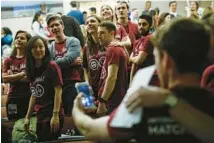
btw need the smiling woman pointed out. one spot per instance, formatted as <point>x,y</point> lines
<point>46,91</point>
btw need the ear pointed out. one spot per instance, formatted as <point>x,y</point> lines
<point>63,26</point>
<point>168,63</point>
<point>113,33</point>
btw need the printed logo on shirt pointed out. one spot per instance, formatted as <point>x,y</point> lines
<point>37,91</point>
<point>94,64</point>
<point>164,126</point>
<point>103,73</point>
<point>60,53</point>
<point>101,60</point>
<point>18,68</point>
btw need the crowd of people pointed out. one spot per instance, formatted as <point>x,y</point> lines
<point>107,50</point>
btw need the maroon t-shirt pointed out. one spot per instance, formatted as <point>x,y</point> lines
<point>17,89</point>
<point>158,126</point>
<point>144,44</point>
<point>132,31</point>
<point>120,33</point>
<point>117,56</point>
<point>43,88</point>
<point>71,73</point>
<point>93,63</point>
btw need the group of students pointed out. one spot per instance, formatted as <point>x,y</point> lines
<point>42,77</point>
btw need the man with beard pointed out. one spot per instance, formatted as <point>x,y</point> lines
<point>142,54</point>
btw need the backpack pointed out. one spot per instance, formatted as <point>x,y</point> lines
<point>20,136</point>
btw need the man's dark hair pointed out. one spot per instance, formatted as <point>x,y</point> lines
<point>109,25</point>
<point>73,3</point>
<point>157,10</point>
<point>147,17</point>
<point>152,12</point>
<point>93,9</point>
<point>52,17</point>
<point>187,42</point>
<point>30,62</point>
<point>124,2</point>
<point>84,12</point>
<point>171,2</point>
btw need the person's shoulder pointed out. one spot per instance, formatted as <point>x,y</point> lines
<point>52,65</point>
<point>115,49</point>
<point>8,59</point>
<point>190,92</point>
<point>132,23</point>
<point>72,39</point>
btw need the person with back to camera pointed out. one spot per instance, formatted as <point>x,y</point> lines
<point>46,91</point>
<point>164,109</point>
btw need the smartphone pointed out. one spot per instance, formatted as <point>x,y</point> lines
<point>87,99</point>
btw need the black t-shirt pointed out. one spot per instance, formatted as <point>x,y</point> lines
<point>158,126</point>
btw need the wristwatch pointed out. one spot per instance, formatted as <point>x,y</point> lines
<point>171,100</point>
<point>101,100</point>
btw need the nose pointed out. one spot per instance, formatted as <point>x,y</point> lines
<point>98,35</point>
<point>37,49</point>
<point>89,23</point>
<point>18,38</point>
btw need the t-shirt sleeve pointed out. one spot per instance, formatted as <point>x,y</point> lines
<point>113,56</point>
<point>146,45</point>
<point>85,59</point>
<point>6,65</point>
<point>118,133</point>
<point>55,74</point>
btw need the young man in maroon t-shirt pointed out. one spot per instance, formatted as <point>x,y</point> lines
<point>113,79</point>
<point>121,11</point>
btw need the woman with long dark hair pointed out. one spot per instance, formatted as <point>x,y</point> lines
<point>37,26</point>
<point>46,91</point>
<point>93,54</point>
<point>14,73</point>
<point>164,18</point>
